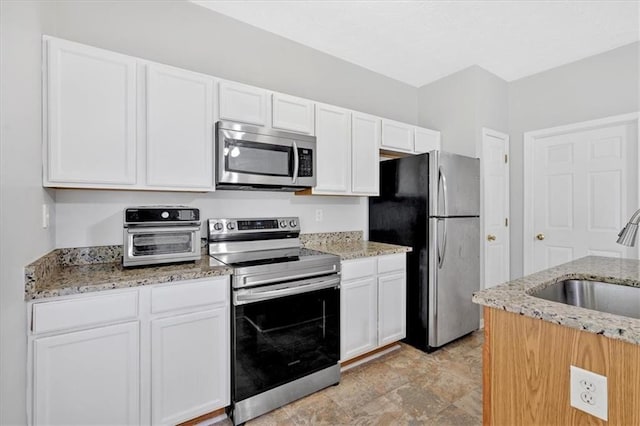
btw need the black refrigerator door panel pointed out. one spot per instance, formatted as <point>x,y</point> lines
<point>399,216</point>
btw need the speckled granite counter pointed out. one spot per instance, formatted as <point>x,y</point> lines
<point>349,245</point>
<point>71,271</point>
<point>515,296</point>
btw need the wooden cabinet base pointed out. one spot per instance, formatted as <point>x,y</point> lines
<point>203,417</point>
<point>526,372</point>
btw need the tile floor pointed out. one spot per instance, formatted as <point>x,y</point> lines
<point>405,387</point>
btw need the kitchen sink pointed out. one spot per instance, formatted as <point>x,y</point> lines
<point>599,296</point>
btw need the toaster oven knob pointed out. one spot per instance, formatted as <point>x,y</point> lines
<point>231,226</point>
<point>217,226</point>
<point>283,224</point>
<point>293,224</point>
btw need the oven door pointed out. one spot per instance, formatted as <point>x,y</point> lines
<point>150,245</point>
<point>256,159</point>
<point>287,334</point>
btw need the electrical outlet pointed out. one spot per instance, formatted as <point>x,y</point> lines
<point>319,215</point>
<point>588,392</point>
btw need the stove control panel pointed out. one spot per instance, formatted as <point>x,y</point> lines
<point>253,225</point>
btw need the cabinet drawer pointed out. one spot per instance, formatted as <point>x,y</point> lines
<point>210,291</point>
<point>83,312</point>
<point>358,268</point>
<point>390,263</point>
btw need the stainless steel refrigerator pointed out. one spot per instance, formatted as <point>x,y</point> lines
<point>431,202</point>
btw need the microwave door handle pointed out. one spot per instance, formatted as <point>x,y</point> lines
<point>296,162</point>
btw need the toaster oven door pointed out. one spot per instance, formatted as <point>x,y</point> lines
<point>150,245</point>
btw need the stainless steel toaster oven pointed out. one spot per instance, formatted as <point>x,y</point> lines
<point>161,234</point>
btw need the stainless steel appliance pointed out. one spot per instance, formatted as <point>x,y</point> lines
<point>431,202</point>
<point>160,234</point>
<point>256,158</point>
<point>285,313</point>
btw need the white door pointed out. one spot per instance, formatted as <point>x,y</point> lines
<point>333,159</point>
<point>495,206</point>
<point>358,317</point>
<point>583,190</point>
<point>88,377</point>
<point>180,120</point>
<point>239,102</point>
<point>91,115</point>
<point>365,155</point>
<point>189,366</point>
<point>292,114</point>
<point>391,308</point>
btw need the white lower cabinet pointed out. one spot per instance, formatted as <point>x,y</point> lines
<point>162,360</point>
<point>88,377</point>
<point>372,304</point>
<point>189,365</point>
<point>358,317</point>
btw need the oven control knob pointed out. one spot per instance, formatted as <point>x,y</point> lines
<point>164,215</point>
<point>283,224</point>
<point>217,226</point>
<point>293,224</point>
<point>231,226</point>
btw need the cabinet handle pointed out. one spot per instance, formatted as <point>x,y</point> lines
<point>491,237</point>
<point>540,237</point>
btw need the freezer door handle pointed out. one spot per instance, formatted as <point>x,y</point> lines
<point>442,179</point>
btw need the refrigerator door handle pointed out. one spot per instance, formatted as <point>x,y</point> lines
<point>442,179</point>
<point>442,252</point>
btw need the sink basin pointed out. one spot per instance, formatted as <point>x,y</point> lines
<point>599,296</point>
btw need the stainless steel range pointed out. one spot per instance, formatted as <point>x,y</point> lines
<point>285,313</point>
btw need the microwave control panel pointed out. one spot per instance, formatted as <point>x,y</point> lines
<point>305,168</point>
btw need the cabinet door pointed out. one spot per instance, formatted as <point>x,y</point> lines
<point>190,365</point>
<point>358,317</point>
<point>391,308</point>
<point>292,114</point>
<point>426,140</point>
<point>333,159</point>
<point>180,121</point>
<point>88,377</point>
<point>397,136</point>
<point>242,103</point>
<point>91,116</point>
<point>365,155</point>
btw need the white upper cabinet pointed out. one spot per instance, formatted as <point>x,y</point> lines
<point>180,121</point>
<point>396,136</point>
<point>90,112</point>
<point>242,103</point>
<point>365,163</point>
<point>426,140</point>
<point>292,114</point>
<point>333,158</point>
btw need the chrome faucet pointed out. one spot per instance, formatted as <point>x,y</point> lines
<point>627,237</point>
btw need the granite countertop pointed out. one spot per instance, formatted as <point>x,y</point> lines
<point>349,245</point>
<point>64,272</point>
<point>69,271</point>
<point>515,296</point>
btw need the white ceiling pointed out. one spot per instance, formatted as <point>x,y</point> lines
<point>418,42</point>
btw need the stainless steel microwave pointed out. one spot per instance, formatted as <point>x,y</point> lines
<point>255,158</point>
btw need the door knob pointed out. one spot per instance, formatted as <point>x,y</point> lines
<point>491,237</point>
<point>540,237</point>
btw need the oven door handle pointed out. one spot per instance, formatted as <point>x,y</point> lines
<point>148,229</point>
<point>246,279</point>
<point>257,296</point>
